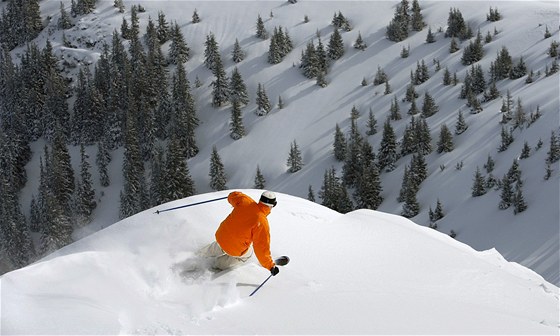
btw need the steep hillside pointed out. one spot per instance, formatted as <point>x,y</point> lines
<point>311,112</point>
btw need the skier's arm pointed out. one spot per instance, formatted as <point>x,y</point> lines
<point>261,244</point>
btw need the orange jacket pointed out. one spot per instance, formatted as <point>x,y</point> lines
<point>246,224</point>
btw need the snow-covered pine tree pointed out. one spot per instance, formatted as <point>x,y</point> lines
<point>157,180</point>
<point>237,88</point>
<point>335,48</point>
<point>429,107</point>
<point>360,44</point>
<point>416,19</point>
<point>218,178</point>
<point>445,142</point>
<point>371,124</point>
<point>387,155</point>
<point>506,196</point>
<point>211,51</point>
<point>263,103</point>
<point>183,116</point>
<point>478,188</point>
<point>237,130</point>
<point>220,84</point>
<point>195,17</point>
<point>179,52</point>
<point>260,181</point>
<point>162,30</point>
<point>85,196</point>
<point>261,30</point>
<point>133,173</point>
<point>380,76</point>
<point>461,125</point>
<point>177,180</point>
<point>237,54</point>
<point>395,111</point>
<point>310,194</point>
<point>518,200</point>
<point>295,160</point>
<point>339,144</point>
<point>553,154</point>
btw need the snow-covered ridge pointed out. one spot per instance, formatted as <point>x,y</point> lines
<point>363,272</point>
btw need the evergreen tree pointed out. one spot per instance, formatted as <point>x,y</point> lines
<point>133,173</point>
<point>220,85</point>
<point>295,161</point>
<point>526,151</point>
<point>478,188</point>
<point>211,52</point>
<point>371,124</point>
<point>502,66</point>
<point>263,104</point>
<point>237,54</point>
<point>489,165</point>
<point>85,198</point>
<point>429,107</point>
<point>416,19</point>
<point>119,4</point>
<point>335,48</point>
<point>553,154</point>
<point>333,193</point>
<point>473,52</point>
<point>217,173</point>
<point>380,76</point>
<point>339,144</point>
<point>237,130</point>
<point>157,181</point>
<point>310,194</point>
<point>195,17</point>
<point>445,143</point>
<point>506,139</point>
<point>260,181</point>
<point>261,30</point>
<point>506,195</point>
<point>456,26</point>
<point>410,207</point>
<point>368,188</point>
<point>178,182</point>
<point>461,125</point>
<point>179,52</point>
<point>394,111</point>
<point>353,160</point>
<point>387,156</point>
<point>494,15</point>
<point>430,38</point>
<point>518,200</point>
<point>163,31</point>
<point>183,114</point>
<point>237,88</point>
<point>437,214</point>
<point>360,44</point>
<point>453,46</point>
<point>397,30</point>
<point>64,21</point>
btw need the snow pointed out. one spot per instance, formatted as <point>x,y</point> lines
<point>365,272</point>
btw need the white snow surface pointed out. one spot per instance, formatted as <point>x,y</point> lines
<point>365,272</point>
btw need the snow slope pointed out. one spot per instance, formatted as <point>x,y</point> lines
<point>365,272</point>
<point>311,113</point>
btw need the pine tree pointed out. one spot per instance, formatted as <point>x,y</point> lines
<point>553,154</point>
<point>263,103</point>
<point>260,181</point>
<point>157,188</point>
<point>295,161</point>
<point>460,126</point>
<point>478,188</point>
<point>387,156</point>
<point>218,179</point>
<point>85,198</point>
<point>410,207</point>
<point>394,111</point>
<point>183,114</point>
<point>429,107</point>
<point>64,21</point>
<point>445,143</point>
<point>333,193</point>
<point>397,30</point>
<point>506,139</point>
<point>489,165</point>
<point>453,46</point>
<point>220,85</point>
<point>416,20</point>
<point>430,38</point>
<point>310,194</point>
<point>237,88</point>
<point>119,4</point>
<point>371,124</point>
<point>261,30</point>
<point>195,17</point>
<point>133,173</point>
<point>352,162</point>
<point>179,52</point>
<point>237,55</point>
<point>380,76</point>
<point>177,180</point>
<point>518,200</point>
<point>493,15</point>
<point>339,144</point>
<point>437,214</point>
<point>526,151</point>
<point>237,130</point>
<point>335,48</point>
<point>163,31</point>
<point>506,195</point>
<point>360,44</point>
<point>368,189</point>
<point>211,51</point>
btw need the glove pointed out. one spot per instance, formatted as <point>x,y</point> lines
<point>274,270</point>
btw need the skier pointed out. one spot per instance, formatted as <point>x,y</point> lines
<point>246,224</point>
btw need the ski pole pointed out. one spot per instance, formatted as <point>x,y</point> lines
<point>189,205</point>
<point>256,289</point>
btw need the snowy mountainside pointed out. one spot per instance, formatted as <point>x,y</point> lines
<point>365,272</point>
<point>311,112</point>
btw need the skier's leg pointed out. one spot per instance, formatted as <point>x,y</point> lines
<point>226,261</point>
<point>211,250</point>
